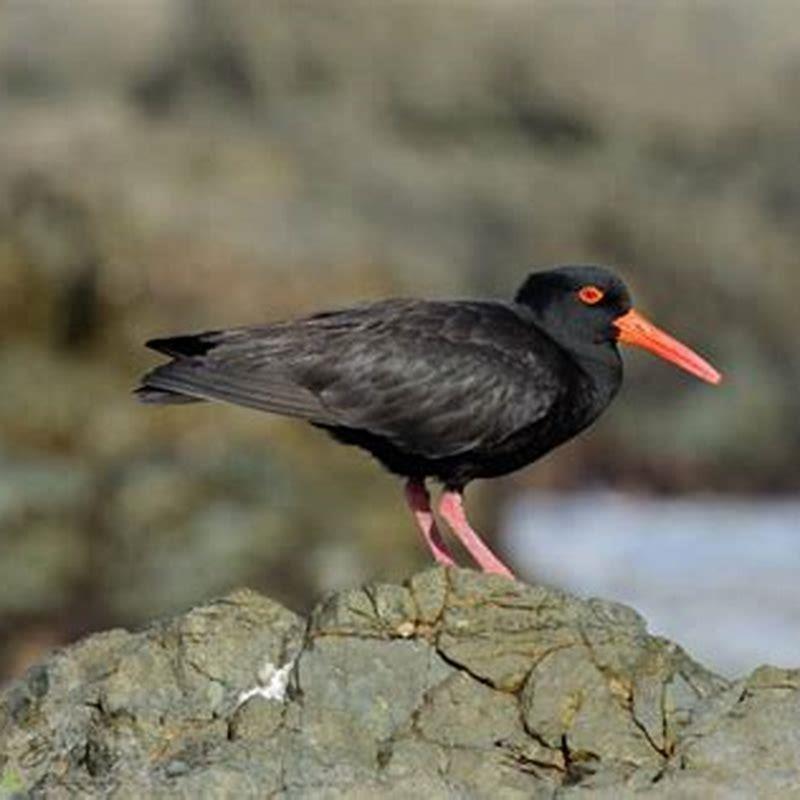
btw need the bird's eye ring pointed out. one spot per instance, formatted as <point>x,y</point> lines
<point>591,295</point>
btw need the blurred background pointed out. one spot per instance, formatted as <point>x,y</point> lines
<point>174,165</point>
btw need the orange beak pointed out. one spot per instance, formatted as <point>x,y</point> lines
<point>636,330</point>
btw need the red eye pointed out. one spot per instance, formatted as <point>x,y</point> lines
<point>591,295</point>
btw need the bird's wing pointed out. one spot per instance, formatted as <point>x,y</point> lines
<point>433,378</point>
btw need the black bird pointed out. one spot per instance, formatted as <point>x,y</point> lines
<point>448,390</point>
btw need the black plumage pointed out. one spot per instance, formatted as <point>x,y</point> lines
<point>450,390</point>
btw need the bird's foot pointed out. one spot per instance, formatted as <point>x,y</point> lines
<point>451,507</point>
<point>498,568</point>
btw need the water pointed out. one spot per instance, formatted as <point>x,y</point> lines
<point>720,577</point>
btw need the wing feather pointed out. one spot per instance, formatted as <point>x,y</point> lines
<point>201,379</point>
<point>433,378</point>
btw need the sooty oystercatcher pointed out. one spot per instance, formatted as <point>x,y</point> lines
<point>449,390</point>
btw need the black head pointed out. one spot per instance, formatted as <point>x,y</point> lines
<point>587,310</point>
<point>577,305</point>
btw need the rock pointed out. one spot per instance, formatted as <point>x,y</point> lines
<point>453,685</point>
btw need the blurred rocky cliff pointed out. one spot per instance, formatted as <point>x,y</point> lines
<point>183,165</point>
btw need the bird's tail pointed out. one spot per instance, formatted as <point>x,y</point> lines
<point>177,346</point>
<point>195,374</point>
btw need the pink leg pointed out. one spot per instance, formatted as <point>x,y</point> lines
<point>451,507</point>
<point>419,501</point>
